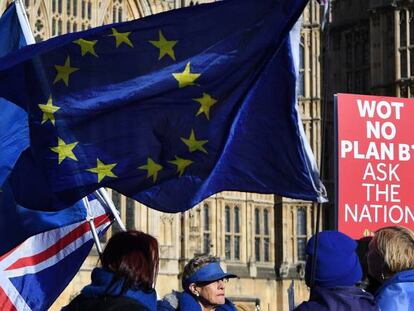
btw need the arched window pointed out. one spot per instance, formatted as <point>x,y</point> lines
<point>130,214</point>
<point>262,237</point>
<point>116,198</point>
<point>301,78</point>
<point>237,233</point>
<point>206,212</point>
<point>266,221</point>
<point>403,43</point>
<point>232,218</point>
<point>301,235</point>
<point>206,229</point>
<point>227,218</point>
<point>266,236</point>
<point>257,220</point>
<point>257,239</point>
<point>227,241</point>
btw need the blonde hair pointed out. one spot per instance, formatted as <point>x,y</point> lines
<point>396,246</point>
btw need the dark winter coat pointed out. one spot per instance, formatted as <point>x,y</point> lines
<point>339,299</point>
<point>105,295</point>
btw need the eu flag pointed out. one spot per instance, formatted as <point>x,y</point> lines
<point>168,109</point>
<point>14,130</point>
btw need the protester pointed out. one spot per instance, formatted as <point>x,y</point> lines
<point>391,262</point>
<point>337,271</point>
<point>127,277</point>
<point>204,288</point>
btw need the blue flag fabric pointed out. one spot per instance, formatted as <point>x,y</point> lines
<point>168,110</point>
<point>18,223</point>
<point>14,130</point>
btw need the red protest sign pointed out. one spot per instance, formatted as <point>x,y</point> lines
<point>375,163</point>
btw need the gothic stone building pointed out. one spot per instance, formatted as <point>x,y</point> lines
<point>261,238</point>
<point>369,50</point>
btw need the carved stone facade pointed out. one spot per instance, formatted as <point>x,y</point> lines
<point>259,237</point>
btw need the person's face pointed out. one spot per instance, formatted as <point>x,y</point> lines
<point>375,261</point>
<point>212,293</point>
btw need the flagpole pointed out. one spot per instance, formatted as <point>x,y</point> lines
<point>90,219</point>
<point>24,22</point>
<point>101,192</point>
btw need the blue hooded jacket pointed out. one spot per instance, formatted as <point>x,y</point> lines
<point>342,298</point>
<point>102,285</point>
<point>186,302</point>
<point>397,293</point>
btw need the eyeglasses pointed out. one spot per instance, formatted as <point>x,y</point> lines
<point>224,280</point>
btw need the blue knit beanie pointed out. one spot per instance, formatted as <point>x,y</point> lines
<point>337,263</point>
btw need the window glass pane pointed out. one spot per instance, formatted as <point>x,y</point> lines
<point>301,222</point>
<point>228,247</point>
<point>411,27</point>
<point>301,83</point>
<point>411,62</point>
<point>257,220</point>
<point>68,7</point>
<point>89,10</point>
<point>227,218</point>
<point>257,248</point>
<point>130,214</point>
<point>236,247</point>
<point>302,53</point>
<point>301,249</point>
<point>120,14</point>
<point>266,222</point>
<point>236,220</point>
<point>403,59</point>
<point>403,28</point>
<point>206,243</point>
<point>116,198</point>
<point>266,249</point>
<point>206,217</point>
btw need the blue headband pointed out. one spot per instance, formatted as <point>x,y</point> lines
<point>210,272</point>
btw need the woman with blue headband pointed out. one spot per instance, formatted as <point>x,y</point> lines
<point>204,284</point>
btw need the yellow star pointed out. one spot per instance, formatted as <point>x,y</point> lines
<point>206,103</point>
<point>165,46</point>
<point>186,78</point>
<point>102,170</point>
<point>64,71</point>
<point>181,164</point>
<point>194,144</point>
<point>152,168</point>
<point>48,111</point>
<point>87,46</point>
<point>121,37</point>
<point>64,150</point>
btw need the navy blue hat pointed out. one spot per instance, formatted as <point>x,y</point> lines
<point>337,263</point>
<point>208,273</point>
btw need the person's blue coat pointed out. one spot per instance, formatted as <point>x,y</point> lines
<point>102,286</point>
<point>397,293</point>
<point>341,298</point>
<point>186,302</point>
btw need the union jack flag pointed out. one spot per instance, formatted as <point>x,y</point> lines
<point>33,274</point>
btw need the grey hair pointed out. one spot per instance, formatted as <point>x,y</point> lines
<point>196,263</point>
